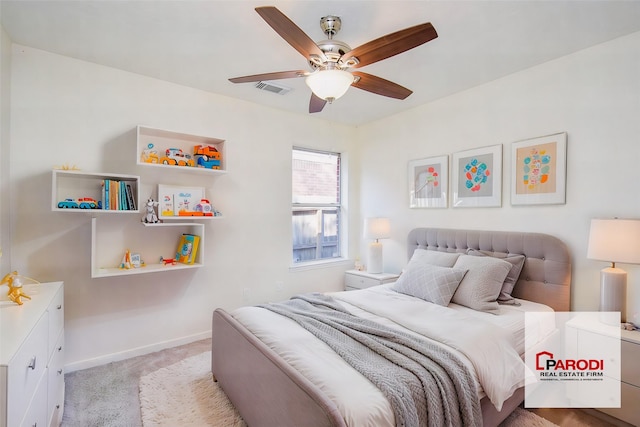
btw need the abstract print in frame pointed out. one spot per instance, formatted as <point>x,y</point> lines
<point>538,170</point>
<point>477,177</point>
<point>428,179</point>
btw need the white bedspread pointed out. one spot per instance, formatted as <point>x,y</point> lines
<point>485,340</point>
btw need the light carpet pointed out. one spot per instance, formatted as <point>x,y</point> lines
<point>184,394</point>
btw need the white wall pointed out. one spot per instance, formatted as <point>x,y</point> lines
<point>66,111</point>
<point>5,114</point>
<point>592,95</point>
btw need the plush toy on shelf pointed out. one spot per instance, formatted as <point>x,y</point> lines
<point>150,216</point>
<point>14,281</point>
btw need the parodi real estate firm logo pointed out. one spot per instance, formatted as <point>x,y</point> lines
<point>549,368</point>
<point>574,358</point>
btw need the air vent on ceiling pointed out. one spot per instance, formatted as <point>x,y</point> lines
<point>272,87</point>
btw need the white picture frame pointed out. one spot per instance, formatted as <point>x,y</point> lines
<point>174,201</point>
<point>539,170</point>
<point>477,177</point>
<point>428,182</point>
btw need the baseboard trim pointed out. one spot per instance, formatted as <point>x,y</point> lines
<point>134,352</point>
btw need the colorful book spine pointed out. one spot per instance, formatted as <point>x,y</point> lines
<point>130,201</point>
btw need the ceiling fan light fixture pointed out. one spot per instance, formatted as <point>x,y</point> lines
<point>329,84</point>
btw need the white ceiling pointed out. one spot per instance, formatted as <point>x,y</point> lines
<point>203,43</point>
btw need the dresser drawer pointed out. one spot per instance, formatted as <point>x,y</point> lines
<point>597,346</point>
<point>56,318</point>
<point>36,413</point>
<point>631,363</point>
<point>56,383</point>
<point>359,282</point>
<point>26,370</point>
<point>628,411</point>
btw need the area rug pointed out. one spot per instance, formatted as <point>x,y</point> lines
<point>184,394</point>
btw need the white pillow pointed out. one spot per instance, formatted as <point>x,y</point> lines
<point>429,282</point>
<point>442,259</point>
<point>480,287</point>
<point>517,262</point>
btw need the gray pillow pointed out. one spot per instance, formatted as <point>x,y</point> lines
<point>481,286</point>
<point>429,282</point>
<point>442,259</point>
<point>517,262</point>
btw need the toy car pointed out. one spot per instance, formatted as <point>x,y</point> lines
<point>150,156</point>
<point>207,164</point>
<point>175,156</point>
<point>204,208</point>
<point>88,203</point>
<point>67,204</point>
<point>208,151</point>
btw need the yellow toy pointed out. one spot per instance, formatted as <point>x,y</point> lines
<point>15,287</point>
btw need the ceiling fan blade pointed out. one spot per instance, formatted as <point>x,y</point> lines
<point>290,32</point>
<point>270,76</point>
<point>391,44</point>
<point>316,104</point>
<point>380,86</point>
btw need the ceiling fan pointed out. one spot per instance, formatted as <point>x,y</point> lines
<point>331,60</point>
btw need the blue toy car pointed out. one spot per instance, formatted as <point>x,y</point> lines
<point>203,162</point>
<point>67,204</point>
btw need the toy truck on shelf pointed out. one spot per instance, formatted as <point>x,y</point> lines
<point>207,156</point>
<point>175,156</point>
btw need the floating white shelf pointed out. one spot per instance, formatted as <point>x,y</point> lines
<point>159,140</point>
<point>107,248</point>
<point>75,185</point>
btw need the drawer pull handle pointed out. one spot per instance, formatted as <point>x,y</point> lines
<point>59,306</point>
<point>32,363</point>
<point>59,371</point>
<point>60,348</point>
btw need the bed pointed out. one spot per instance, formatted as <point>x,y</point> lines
<point>256,360</point>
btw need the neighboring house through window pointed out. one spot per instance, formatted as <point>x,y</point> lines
<point>316,208</point>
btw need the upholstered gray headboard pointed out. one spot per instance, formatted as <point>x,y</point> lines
<point>546,275</point>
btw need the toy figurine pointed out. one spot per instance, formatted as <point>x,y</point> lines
<point>15,287</point>
<point>125,264</point>
<point>150,216</point>
<point>168,261</point>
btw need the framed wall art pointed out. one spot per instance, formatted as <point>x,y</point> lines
<point>176,202</point>
<point>428,181</point>
<point>539,170</point>
<point>477,177</point>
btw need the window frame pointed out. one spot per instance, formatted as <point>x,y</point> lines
<point>338,207</point>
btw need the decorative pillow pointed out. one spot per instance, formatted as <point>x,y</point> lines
<point>441,259</point>
<point>517,262</point>
<point>429,282</point>
<point>481,286</point>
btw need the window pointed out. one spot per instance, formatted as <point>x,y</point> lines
<point>316,210</point>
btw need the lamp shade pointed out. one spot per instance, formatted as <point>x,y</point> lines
<point>377,228</point>
<point>329,84</point>
<point>615,240</point>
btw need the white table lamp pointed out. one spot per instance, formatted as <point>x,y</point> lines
<point>376,228</point>
<point>614,240</point>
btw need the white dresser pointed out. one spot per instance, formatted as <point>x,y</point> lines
<point>32,358</point>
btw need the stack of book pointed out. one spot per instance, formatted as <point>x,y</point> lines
<point>117,195</point>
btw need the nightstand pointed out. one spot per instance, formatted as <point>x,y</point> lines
<point>354,279</point>
<point>630,376</point>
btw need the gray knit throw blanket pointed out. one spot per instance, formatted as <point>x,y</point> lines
<point>425,384</point>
